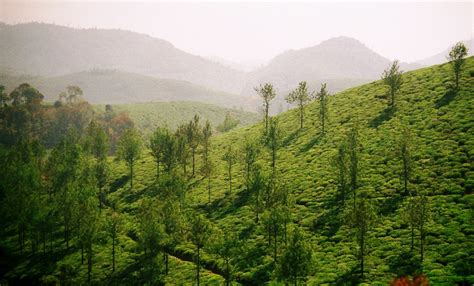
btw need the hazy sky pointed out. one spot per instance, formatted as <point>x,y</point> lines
<point>258,31</point>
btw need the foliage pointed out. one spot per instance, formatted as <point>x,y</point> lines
<point>392,77</point>
<point>322,97</point>
<point>441,171</point>
<point>267,93</point>
<point>296,259</point>
<point>456,58</point>
<point>129,150</point>
<point>301,97</point>
<point>229,123</point>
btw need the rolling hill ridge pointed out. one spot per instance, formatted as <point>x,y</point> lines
<point>441,126</point>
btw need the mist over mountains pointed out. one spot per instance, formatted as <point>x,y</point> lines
<point>136,67</point>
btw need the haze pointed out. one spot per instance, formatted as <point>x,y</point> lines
<point>256,32</point>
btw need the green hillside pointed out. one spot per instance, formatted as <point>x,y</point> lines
<point>442,126</point>
<point>442,131</point>
<point>148,116</point>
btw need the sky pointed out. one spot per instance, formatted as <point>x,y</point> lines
<point>257,31</point>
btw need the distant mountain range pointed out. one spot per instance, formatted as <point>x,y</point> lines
<point>113,86</point>
<point>122,66</point>
<point>341,61</point>
<point>51,50</point>
<point>443,56</point>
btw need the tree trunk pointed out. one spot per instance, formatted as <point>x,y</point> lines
<point>227,273</point>
<point>392,98</point>
<point>266,118</point>
<point>273,160</point>
<point>209,187</point>
<point>166,263</point>
<point>193,151</point>
<point>354,193</point>
<point>51,241</point>
<point>422,238</point>
<point>89,262</point>
<point>457,80</point>
<point>66,236</point>
<point>406,184</point>
<point>158,168</point>
<point>113,252</point>
<point>44,242</point>
<point>362,252</point>
<point>131,176</point>
<point>275,246</point>
<point>198,266</point>
<point>230,178</point>
<point>301,117</point>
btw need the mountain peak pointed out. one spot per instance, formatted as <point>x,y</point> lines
<point>342,41</point>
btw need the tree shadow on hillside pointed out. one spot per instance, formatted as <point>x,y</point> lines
<point>351,277</point>
<point>315,140</point>
<point>227,204</point>
<point>118,183</point>
<point>329,222</point>
<point>123,277</point>
<point>446,98</point>
<point>290,138</point>
<point>390,205</point>
<point>384,116</point>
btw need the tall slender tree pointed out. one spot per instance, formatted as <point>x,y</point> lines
<point>361,219</point>
<point>250,151</point>
<point>226,247</point>
<point>267,93</point>
<point>301,97</point>
<point>150,233</point>
<point>169,155</point>
<point>207,164</point>
<point>257,185</point>
<point>171,218</point>
<point>405,157</point>
<point>295,261</point>
<point>272,141</point>
<point>354,153</point>
<point>114,222</point>
<point>392,77</point>
<point>340,162</point>
<point>182,147</point>
<point>97,143</point>
<point>456,57</point>
<point>157,146</point>
<point>200,232</point>
<point>323,96</point>
<point>129,150</point>
<point>229,157</point>
<point>421,207</point>
<point>193,135</point>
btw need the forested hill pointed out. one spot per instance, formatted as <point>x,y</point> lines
<point>253,206</point>
<point>118,87</point>
<point>52,50</point>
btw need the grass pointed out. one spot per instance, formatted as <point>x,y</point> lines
<point>443,169</point>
